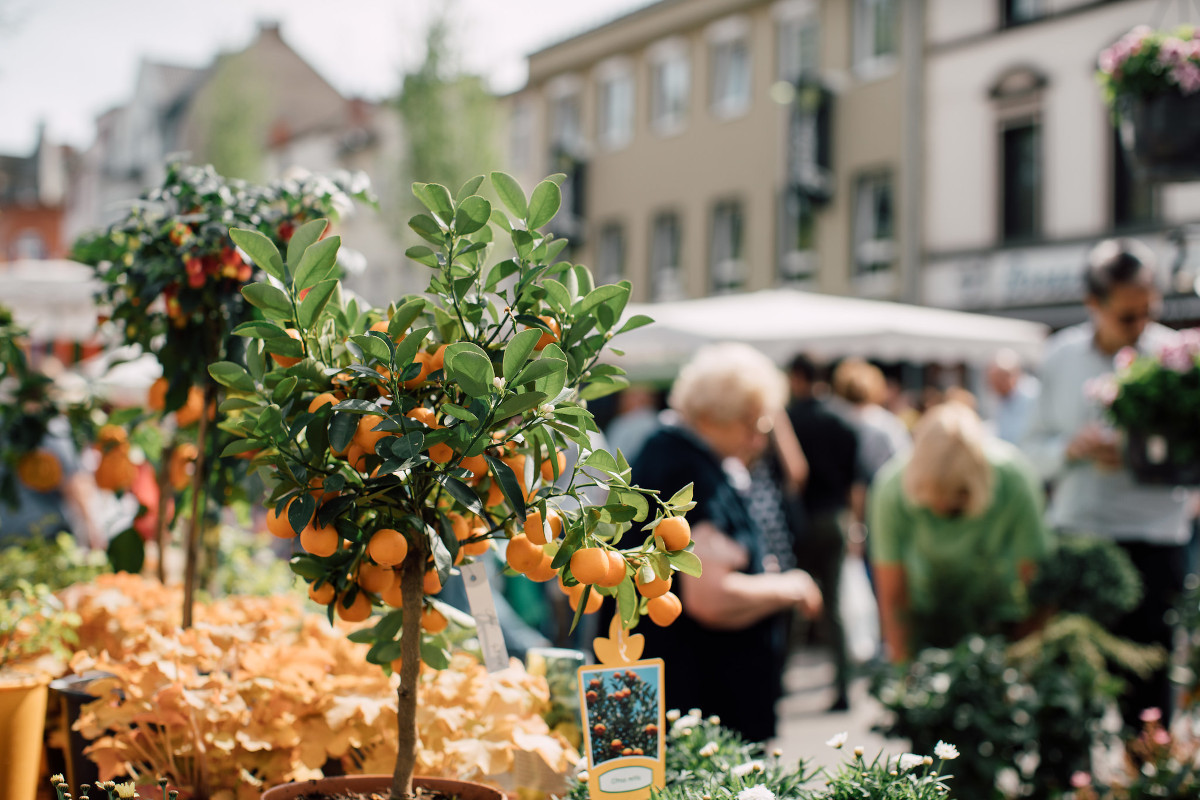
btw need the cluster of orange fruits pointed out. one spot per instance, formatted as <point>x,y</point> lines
<point>40,470</point>
<point>116,471</point>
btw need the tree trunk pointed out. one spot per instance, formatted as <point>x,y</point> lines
<point>165,491</point>
<point>193,536</point>
<point>412,578</point>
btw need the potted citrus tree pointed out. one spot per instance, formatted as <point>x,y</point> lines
<point>1151,79</point>
<point>401,442</point>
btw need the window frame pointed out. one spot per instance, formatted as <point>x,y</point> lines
<point>607,75</point>
<point>878,280</point>
<point>736,263</point>
<point>660,55</point>
<point>869,65</point>
<point>795,266</point>
<point>604,235</point>
<point>666,281</point>
<point>792,16</point>
<point>729,32</point>
<point>1005,124</point>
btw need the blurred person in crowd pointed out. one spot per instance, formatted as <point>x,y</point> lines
<point>964,397</point>
<point>70,506</point>
<point>900,403</point>
<point>636,420</point>
<point>956,532</point>
<point>1073,448</point>
<point>830,444</point>
<point>1012,396</point>
<point>735,618</point>
<point>859,388</point>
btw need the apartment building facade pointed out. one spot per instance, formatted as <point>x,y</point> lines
<point>716,146</point>
<point>1024,169</point>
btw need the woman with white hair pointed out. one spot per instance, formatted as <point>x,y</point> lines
<point>727,649</point>
<point>956,532</point>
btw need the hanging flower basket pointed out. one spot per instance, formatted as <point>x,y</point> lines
<point>1151,80</point>
<point>1155,459</point>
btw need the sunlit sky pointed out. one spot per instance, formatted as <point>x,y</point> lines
<point>65,61</point>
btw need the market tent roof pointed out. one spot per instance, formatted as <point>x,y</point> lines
<point>53,299</point>
<point>783,322</point>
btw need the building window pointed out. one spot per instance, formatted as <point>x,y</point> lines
<point>670,85</point>
<point>566,130</point>
<point>726,259</point>
<point>729,58</point>
<point>665,246</point>
<point>798,45</point>
<point>614,104</point>
<point>1020,182</point>
<point>1017,12</point>
<point>29,244</point>
<point>797,241</point>
<point>610,254</point>
<point>875,31</point>
<point>874,224</point>
<point>1134,199</point>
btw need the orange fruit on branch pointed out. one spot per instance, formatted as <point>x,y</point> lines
<point>182,464</point>
<point>432,620</point>
<point>590,565</point>
<point>321,400</point>
<point>374,578</point>
<point>115,472</point>
<point>664,609</point>
<point>548,466</point>
<point>523,554</point>
<point>357,611</point>
<point>387,547</point>
<point>675,533</point>
<point>41,471</point>
<point>287,361</point>
<point>320,540</point>
<point>654,588</point>
<point>323,594</point>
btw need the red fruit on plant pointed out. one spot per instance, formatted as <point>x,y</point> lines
<point>599,728</point>
<point>616,744</point>
<point>652,729</point>
<point>637,751</point>
<point>594,683</point>
<point>627,751</point>
<point>286,229</point>
<point>592,696</point>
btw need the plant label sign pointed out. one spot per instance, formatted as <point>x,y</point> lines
<point>487,624</point>
<point>623,719</point>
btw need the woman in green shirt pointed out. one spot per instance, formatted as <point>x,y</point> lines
<point>956,531</point>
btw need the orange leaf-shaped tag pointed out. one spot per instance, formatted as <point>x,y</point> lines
<point>620,647</point>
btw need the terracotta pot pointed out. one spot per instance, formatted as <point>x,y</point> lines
<point>22,723</point>
<point>464,790</point>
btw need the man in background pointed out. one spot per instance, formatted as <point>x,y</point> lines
<point>1013,396</point>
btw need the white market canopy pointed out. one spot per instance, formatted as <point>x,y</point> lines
<point>52,299</point>
<point>783,322</point>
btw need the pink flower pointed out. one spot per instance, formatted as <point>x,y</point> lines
<point>1187,75</point>
<point>1080,780</point>
<point>1172,51</point>
<point>1177,358</point>
<point>1150,715</point>
<point>1161,737</point>
<point>1125,358</point>
<point>1102,389</point>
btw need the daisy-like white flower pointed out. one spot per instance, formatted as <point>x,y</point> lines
<point>759,792</point>
<point>709,750</point>
<point>910,761</point>
<point>684,724</point>
<point>714,720</point>
<point>858,752</point>
<point>945,750</point>
<point>742,770</point>
<point>673,715</point>
<point>583,777</point>
<point>839,740</point>
<point>695,712</point>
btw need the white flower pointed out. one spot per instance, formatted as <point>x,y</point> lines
<point>945,750</point>
<point>673,715</point>
<point>695,712</point>
<point>709,750</point>
<point>583,777</point>
<point>910,761</point>
<point>498,382</point>
<point>742,770</point>
<point>685,723</point>
<point>858,752</point>
<point>838,741</point>
<point>759,792</point>
<point>714,720</point>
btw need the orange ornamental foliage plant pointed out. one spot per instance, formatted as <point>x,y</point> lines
<point>399,443</point>
<point>259,692</point>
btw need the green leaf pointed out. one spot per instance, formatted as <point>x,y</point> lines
<point>472,214</point>
<point>307,567</point>
<point>315,301</point>
<point>284,389</point>
<point>458,412</point>
<point>423,255</point>
<point>601,460</point>
<point>301,511</point>
<point>541,368</point>
<point>636,321</point>
<point>405,315</point>
<point>682,497</point>
<point>468,365</point>
<point>360,407</point>
<point>362,636</point>
<point>303,237</point>
<point>519,350</point>
<point>342,427</point>
<point>510,193</point>
<point>554,382</point>
<point>510,484</point>
<point>583,601</point>
<point>603,388</point>
<point>470,187</point>
<point>462,493</point>
<point>273,302</point>
<point>427,228</point>
<point>434,653</point>
<point>543,204</point>
<point>519,404</point>
<point>557,294</point>
<point>374,347</point>
<point>627,602</point>
<point>600,295</point>
<point>232,375</point>
<point>686,562</point>
<point>261,250</point>
<point>318,262</point>
<point>258,329</point>
<point>436,198</point>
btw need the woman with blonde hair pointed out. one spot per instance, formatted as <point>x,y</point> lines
<point>956,529</point>
<point>733,630</point>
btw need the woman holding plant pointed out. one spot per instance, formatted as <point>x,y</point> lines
<point>733,627</point>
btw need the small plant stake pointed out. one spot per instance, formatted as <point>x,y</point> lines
<point>487,624</point>
<point>623,716</point>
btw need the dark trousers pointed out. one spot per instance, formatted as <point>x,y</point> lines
<point>1163,569</point>
<point>821,552</point>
